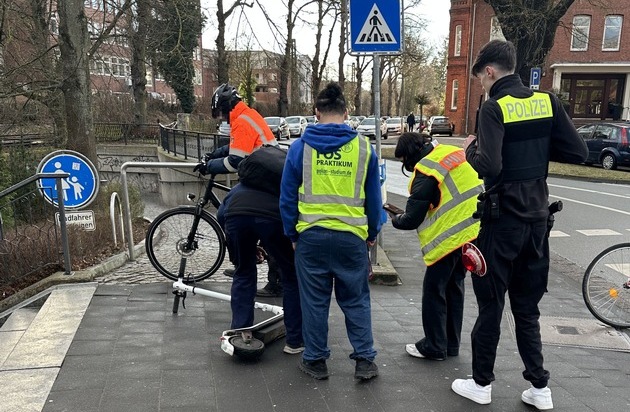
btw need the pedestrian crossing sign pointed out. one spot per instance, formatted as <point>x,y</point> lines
<point>375,26</point>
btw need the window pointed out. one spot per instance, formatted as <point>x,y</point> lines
<point>495,29</point>
<point>454,95</point>
<point>612,32</point>
<point>458,40</point>
<point>579,35</point>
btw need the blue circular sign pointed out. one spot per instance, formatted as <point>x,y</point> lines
<point>79,189</point>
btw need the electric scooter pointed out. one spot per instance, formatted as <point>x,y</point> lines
<point>246,343</point>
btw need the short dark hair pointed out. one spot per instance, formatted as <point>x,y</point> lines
<point>331,99</point>
<point>496,52</point>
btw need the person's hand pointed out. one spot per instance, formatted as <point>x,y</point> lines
<point>471,138</point>
<point>201,168</point>
<point>370,243</point>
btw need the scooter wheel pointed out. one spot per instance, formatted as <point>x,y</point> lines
<point>251,350</point>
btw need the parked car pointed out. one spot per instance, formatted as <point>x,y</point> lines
<point>395,125</point>
<point>279,127</point>
<point>368,128</point>
<point>311,119</point>
<point>297,124</point>
<point>352,121</point>
<point>439,125</point>
<point>607,143</point>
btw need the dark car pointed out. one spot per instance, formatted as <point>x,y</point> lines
<point>607,143</point>
<point>279,127</point>
<point>440,125</point>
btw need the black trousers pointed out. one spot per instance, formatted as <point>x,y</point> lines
<point>443,306</point>
<point>517,255</point>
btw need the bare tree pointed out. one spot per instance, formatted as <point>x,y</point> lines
<point>531,26</point>
<point>223,67</point>
<point>74,45</point>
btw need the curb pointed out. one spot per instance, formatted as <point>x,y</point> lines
<point>384,271</point>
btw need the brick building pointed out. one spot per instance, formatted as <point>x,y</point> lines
<point>588,66</point>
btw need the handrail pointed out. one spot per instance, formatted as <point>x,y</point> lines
<point>125,194</point>
<point>60,204</point>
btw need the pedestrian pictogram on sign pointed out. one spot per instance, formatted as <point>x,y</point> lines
<point>375,29</point>
<point>79,189</point>
<point>375,26</point>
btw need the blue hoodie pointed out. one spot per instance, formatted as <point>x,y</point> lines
<point>326,138</point>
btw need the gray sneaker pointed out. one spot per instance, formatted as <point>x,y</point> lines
<point>316,369</point>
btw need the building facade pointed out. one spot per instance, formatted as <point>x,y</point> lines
<point>588,66</point>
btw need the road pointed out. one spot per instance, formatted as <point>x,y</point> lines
<point>595,215</point>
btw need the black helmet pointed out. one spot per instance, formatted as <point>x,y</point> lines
<point>224,99</point>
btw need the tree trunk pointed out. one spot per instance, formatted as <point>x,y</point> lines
<point>283,100</point>
<point>138,61</point>
<point>74,44</point>
<point>223,66</point>
<point>342,42</point>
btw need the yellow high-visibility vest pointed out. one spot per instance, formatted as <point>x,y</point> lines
<point>332,193</point>
<point>448,225</point>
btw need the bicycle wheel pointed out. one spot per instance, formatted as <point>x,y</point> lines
<point>167,238</point>
<point>606,286</point>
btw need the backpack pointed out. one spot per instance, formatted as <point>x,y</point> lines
<point>262,170</point>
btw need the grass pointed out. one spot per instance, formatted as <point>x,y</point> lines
<point>594,173</point>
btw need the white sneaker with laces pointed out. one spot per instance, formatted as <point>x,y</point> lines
<point>540,398</point>
<point>468,388</point>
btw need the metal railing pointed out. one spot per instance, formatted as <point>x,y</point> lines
<point>190,145</point>
<point>126,133</point>
<point>29,236</point>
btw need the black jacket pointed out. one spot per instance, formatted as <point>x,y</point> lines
<point>424,192</point>
<point>489,154</point>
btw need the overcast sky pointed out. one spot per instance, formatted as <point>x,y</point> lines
<point>434,11</point>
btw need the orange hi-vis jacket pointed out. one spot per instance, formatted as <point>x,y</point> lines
<point>248,131</point>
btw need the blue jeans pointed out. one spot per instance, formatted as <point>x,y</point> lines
<point>327,259</point>
<point>243,233</point>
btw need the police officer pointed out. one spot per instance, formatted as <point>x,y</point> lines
<point>330,203</point>
<point>520,131</point>
<point>443,197</point>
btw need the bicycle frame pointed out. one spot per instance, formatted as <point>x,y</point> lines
<point>209,196</point>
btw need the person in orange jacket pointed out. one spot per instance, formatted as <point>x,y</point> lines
<point>248,131</point>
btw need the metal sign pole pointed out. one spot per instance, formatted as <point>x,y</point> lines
<point>376,79</point>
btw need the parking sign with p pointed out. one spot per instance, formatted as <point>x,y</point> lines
<point>534,78</point>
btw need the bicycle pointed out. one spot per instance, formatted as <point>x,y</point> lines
<point>606,286</point>
<point>191,232</point>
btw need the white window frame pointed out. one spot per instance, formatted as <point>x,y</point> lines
<point>457,50</point>
<point>454,94</point>
<point>607,26</point>
<point>496,33</point>
<point>580,30</point>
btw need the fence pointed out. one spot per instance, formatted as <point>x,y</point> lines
<point>126,133</point>
<point>31,241</point>
<point>190,145</point>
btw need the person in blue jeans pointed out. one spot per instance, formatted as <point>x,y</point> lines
<point>248,216</point>
<point>330,203</point>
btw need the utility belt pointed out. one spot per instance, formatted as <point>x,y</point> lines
<point>487,206</point>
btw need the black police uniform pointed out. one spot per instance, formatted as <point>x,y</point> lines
<point>520,131</point>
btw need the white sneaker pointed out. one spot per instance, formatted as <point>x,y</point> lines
<point>469,389</point>
<point>540,398</point>
<point>293,350</point>
<point>413,351</point>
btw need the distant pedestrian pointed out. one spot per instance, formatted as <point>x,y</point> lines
<point>442,198</point>
<point>330,202</point>
<point>411,122</point>
<point>511,153</point>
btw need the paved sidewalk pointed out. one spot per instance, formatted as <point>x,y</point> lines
<point>130,353</point>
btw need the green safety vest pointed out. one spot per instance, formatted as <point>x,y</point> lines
<point>332,193</point>
<point>449,224</point>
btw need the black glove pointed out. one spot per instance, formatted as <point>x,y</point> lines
<point>201,168</point>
